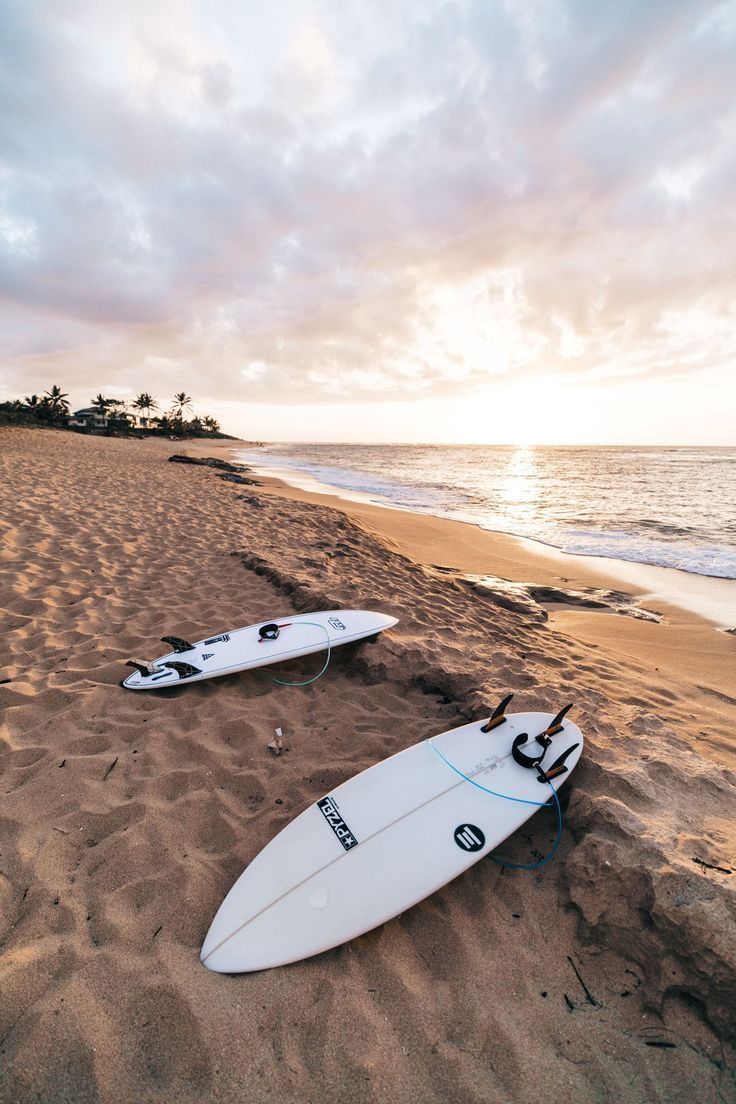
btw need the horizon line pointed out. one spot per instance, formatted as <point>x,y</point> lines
<point>486,444</point>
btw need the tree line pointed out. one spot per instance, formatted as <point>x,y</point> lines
<point>52,409</point>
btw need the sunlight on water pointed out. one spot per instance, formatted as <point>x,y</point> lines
<point>520,486</point>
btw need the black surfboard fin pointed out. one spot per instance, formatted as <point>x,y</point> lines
<point>558,767</point>
<point>555,725</point>
<point>145,669</point>
<point>498,716</point>
<point>178,644</point>
<point>183,670</point>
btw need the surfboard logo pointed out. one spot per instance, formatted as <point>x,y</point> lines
<point>224,637</point>
<point>335,622</point>
<point>329,811</point>
<point>207,655</point>
<point>469,837</point>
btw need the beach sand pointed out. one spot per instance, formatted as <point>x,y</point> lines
<point>609,974</point>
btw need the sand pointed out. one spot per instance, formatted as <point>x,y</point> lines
<point>609,974</point>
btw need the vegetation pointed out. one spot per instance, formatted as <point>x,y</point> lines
<point>52,409</point>
<point>144,403</point>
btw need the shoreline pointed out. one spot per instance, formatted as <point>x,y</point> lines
<point>710,597</point>
<point>127,817</point>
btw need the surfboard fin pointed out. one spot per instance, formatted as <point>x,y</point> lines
<point>556,724</point>
<point>183,670</point>
<point>145,669</point>
<point>497,717</point>
<point>558,767</point>
<point>177,644</point>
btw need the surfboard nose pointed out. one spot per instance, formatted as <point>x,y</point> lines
<point>213,959</point>
<point>233,956</point>
<point>219,944</point>
<point>216,953</point>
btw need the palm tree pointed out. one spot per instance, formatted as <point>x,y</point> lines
<point>58,400</point>
<point>212,424</point>
<point>54,405</point>
<point>146,402</point>
<point>181,402</point>
<point>37,408</point>
<point>100,403</point>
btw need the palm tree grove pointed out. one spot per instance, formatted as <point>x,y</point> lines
<point>114,417</point>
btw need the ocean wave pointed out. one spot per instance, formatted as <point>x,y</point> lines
<point>715,560</point>
<point>665,528</point>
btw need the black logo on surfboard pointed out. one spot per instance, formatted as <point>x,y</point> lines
<point>335,622</point>
<point>327,807</point>
<point>469,837</point>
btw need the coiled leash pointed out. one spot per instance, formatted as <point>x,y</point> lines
<point>271,631</point>
<point>544,739</point>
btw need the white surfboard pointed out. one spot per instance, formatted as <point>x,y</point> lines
<point>287,637</point>
<point>382,841</point>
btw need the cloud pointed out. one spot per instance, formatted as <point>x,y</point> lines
<point>304,204</point>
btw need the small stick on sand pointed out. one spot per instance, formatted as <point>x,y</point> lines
<point>589,996</point>
<point>110,769</point>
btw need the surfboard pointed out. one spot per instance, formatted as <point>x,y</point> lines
<point>384,840</point>
<point>259,645</point>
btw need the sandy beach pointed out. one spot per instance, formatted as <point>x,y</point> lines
<point>608,975</point>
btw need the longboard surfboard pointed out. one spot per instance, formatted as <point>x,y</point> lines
<point>384,840</point>
<point>258,645</point>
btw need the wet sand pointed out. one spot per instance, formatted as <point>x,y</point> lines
<point>608,974</point>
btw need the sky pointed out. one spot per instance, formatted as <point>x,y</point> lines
<point>440,220</point>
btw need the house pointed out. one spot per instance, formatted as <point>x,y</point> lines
<point>88,418</point>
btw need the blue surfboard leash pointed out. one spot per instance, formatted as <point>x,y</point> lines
<point>519,801</point>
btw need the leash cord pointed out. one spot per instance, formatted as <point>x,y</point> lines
<point>282,682</point>
<point>519,801</point>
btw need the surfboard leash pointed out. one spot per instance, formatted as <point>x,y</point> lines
<point>308,682</point>
<point>519,801</point>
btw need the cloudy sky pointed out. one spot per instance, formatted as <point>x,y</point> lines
<point>471,220</point>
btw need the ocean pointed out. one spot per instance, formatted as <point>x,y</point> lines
<point>672,507</point>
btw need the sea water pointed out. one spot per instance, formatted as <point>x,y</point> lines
<point>673,507</point>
